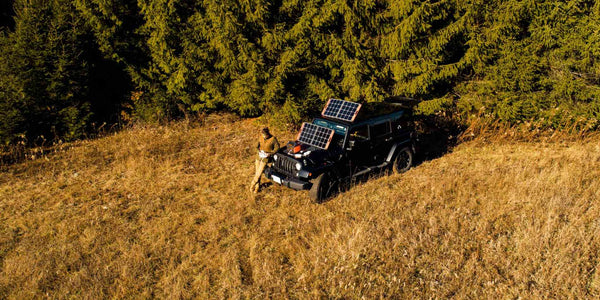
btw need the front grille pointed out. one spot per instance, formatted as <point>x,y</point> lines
<point>285,165</point>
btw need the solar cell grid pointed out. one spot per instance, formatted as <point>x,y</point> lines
<point>315,135</point>
<point>340,109</point>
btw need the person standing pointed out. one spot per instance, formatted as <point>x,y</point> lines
<point>267,146</point>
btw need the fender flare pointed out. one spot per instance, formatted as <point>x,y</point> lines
<point>398,146</point>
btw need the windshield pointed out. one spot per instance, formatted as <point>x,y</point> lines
<point>339,129</point>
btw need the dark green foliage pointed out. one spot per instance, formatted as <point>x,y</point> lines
<point>513,60</point>
<point>6,14</point>
<point>510,60</point>
<point>55,81</point>
<point>256,56</point>
<point>116,25</point>
<point>45,73</point>
<point>541,64</point>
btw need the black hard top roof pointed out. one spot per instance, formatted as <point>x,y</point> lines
<point>374,111</point>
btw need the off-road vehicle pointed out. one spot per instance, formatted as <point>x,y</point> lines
<point>348,140</point>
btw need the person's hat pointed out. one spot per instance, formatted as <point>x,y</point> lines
<point>266,130</point>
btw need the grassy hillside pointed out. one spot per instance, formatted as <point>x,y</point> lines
<point>164,212</point>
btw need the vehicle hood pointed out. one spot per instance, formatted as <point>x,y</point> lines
<point>311,156</point>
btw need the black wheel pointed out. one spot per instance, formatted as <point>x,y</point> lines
<point>321,188</point>
<point>403,160</point>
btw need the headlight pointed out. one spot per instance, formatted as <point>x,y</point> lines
<point>298,166</point>
<point>275,157</point>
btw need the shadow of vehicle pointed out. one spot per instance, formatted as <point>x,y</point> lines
<point>437,135</point>
<point>264,185</point>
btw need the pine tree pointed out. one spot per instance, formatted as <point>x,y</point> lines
<point>509,60</point>
<point>47,75</point>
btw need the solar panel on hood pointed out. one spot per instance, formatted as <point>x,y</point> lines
<point>342,110</point>
<point>315,135</point>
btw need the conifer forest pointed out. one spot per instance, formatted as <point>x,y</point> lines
<point>69,66</point>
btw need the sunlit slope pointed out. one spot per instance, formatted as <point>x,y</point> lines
<point>165,212</point>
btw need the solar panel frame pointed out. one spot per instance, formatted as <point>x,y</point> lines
<point>341,110</point>
<point>315,135</point>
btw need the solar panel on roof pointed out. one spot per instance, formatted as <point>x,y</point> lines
<point>340,109</point>
<point>315,135</point>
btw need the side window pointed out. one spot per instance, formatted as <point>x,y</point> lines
<point>381,129</point>
<point>359,133</point>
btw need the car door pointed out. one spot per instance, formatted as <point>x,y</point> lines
<point>381,139</point>
<point>359,147</point>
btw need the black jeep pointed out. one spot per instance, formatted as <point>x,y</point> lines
<point>377,136</point>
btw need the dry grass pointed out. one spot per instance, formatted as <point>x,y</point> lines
<point>164,212</point>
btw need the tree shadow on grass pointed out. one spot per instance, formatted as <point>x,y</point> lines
<point>437,136</point>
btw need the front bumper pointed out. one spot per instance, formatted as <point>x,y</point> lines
<point>290,182</point>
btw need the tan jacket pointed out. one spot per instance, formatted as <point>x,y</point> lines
<point>270,145</point>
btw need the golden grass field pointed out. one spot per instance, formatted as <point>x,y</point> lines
<point>163,211</point>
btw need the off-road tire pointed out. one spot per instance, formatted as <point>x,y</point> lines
<point>403,160</point>
<point>320,188</point>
